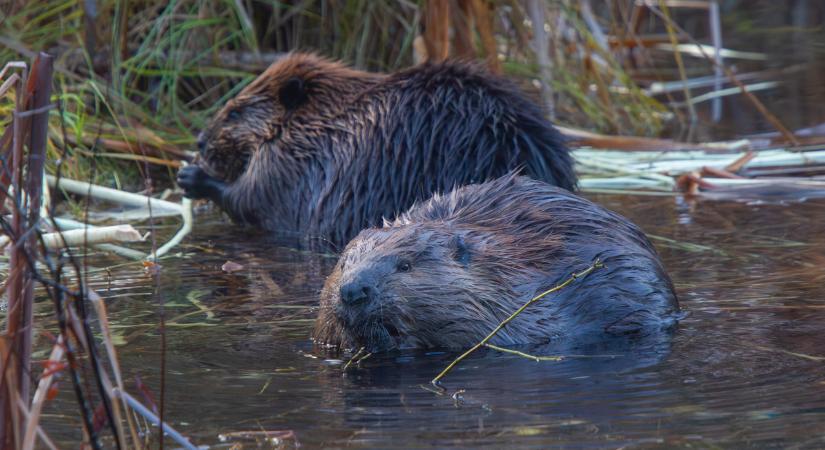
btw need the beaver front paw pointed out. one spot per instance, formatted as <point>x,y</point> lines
<point>196,183</point>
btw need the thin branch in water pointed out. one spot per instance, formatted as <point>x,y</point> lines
<point>597,264</point>
<point>524,355</point>
<point>143,411</point>
<point>769,116</point>
<point>546,358</point>
<point>353,359</point>
<point>361,359</point>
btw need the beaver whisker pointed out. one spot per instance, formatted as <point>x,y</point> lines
<point>379,338</point>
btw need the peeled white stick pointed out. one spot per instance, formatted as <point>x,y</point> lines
<point>112,195</point>
<point>186,228</point>
<point>98,235</point>
<point>128,198</point>
<point>69,224</point>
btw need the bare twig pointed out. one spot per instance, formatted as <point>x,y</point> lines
<point>679,63</point>
<point>545,358</point>
<point>597,264</point>
<point>354,358</point>
<point>143,411</point>
<point>523,355</point>
<point>755,101</point>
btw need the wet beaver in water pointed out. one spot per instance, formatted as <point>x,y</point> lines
<point>448,271</point>
<point>315,148</point>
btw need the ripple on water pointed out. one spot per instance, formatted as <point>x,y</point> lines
<point>745,368</point>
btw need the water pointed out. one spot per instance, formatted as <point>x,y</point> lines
<point>744,369</point>
<point>788,34</point>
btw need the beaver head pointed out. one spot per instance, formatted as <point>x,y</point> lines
<point>312,148</point>
<point>295,97</point>
<point>390,288</point>
<point>425,285</point>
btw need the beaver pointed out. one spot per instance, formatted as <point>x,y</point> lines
<point>314,147</point>
<point>449,270</point>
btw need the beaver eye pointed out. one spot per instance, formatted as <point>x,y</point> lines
<point>233,115</point>
<point>245,157</point>
<point>404,266</point>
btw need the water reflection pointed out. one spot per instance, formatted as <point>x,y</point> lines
<point>744,368</point>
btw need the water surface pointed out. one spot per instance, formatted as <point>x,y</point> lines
<point>746,368</point>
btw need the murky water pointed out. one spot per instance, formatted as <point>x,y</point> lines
<point>746,368</point>
<point>785,40</point>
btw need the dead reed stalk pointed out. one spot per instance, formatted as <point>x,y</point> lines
<point>29,129</point>
<point>42,259</point>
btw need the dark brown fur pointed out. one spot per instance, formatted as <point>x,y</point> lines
<point>448,271</point>
<point>267,111</point>
<point>314,147</point>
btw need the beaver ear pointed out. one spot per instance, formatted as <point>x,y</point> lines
<point>461,250</point>
<point>293,93</point>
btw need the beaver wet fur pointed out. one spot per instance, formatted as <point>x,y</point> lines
<point>316,148</point>
<point>448,271</point>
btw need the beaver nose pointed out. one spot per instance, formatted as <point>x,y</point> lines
<point>357,291</point>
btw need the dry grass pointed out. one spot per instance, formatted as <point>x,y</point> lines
<point>137,83</point>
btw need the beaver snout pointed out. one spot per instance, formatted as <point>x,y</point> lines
<point>362,289</point>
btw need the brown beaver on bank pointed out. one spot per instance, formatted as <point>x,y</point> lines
<point>448,271</point>
<point>317,148</point>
